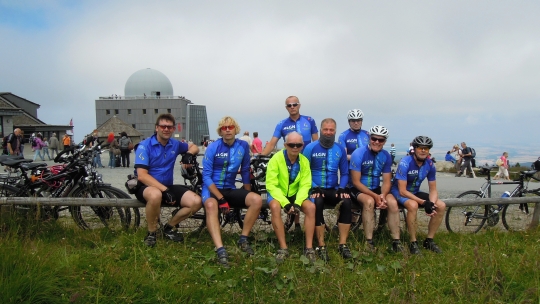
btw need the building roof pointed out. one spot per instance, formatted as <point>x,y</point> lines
<point>116,125</point>
<point>148,82</point>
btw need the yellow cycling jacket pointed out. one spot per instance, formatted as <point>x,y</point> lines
<point>277,180</point>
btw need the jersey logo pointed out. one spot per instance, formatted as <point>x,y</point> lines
<point>291,127</point>
<point>367,163</point>
<point>321,154</point>
<point>413,172</point>
<point>222,154</point>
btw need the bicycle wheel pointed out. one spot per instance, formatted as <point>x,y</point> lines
<point>467,219</point>
<point>91,217</point>
<point>29,211</point>
<point>517,217</point>
<point>192,224</point>
<point>231,222</point>
<point>133,215</point>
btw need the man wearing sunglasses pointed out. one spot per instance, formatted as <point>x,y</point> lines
<point>369,166</point>
<point>288,180</point>
<point>222,161</point>
<point>305,125</point>
<point>411,171</point>
<point>154,164</point>
<point>354,137</point>
<point>326,158</point>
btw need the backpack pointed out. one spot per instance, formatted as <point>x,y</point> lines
<point>5,141</point>
<point>124,142</point>
<point>33,141</point>
<point>473,153</point>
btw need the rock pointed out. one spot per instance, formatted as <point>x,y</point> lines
<point>443,166</point>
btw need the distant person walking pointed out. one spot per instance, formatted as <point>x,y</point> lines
<point>46,148</point>
<point>256,145</point>
<point>467,156</point>
<point>14,142</point>
<point>37,146</point>
<point>124,149</point>
<point>21,141</point>
<point>393,154</point>
<point>53,145</point>
<point>502,162</point>
<point>113,148</point>
<point>66,141</point>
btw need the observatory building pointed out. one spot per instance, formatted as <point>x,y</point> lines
<point>147,94</point>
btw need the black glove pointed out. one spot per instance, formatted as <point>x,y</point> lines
<point>289,206</point>
<point>317,190</point>
<point>187,158</point>
<point>429,206</point>
<point>341,191</point>
<point>168,196</point>
<point>223,205</point>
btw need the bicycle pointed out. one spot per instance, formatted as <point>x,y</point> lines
<point>515,217</point>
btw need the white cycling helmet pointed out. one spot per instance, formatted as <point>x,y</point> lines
<point>380,131</point>
<point>355,114</point>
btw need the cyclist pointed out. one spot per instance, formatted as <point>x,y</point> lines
<point>370,164</point>
<point>154,163</point>
<point>288,180</point>
<point>222,160</point>
<point>327,158</point>
<point>305,125</point>
<point>411,171</point>
<point>354,137</point>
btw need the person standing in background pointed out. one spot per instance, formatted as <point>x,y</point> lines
<point>256,146</point>
<point>53,145</point>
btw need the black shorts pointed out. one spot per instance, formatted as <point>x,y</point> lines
<point>330,197</point>
<point>178,191</point>
<point>355,192</point>
<point>235,197</point>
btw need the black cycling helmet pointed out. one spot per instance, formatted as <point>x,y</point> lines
<point>422,141</point>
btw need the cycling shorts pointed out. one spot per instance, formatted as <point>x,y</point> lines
<point>178,191</point>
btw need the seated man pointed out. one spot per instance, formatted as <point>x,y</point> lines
<point>288,180</point>
<point>368,164</point>
<point>222,160</point>
<point>327,157</point>
<point>154,162</point>
<point>411,171</point>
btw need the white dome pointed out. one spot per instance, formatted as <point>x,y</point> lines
<point>149,82</point>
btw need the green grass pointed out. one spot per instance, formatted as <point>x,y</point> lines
<point>48,263</point>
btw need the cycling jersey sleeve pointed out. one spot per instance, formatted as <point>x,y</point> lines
<point>432,172</point>
<point>277,131</point>
<point>307,153</point>
<point>343,168</point>
<point>341,139</point>
<point>314,129</point>
<point>182,147</point>
<point>142,159</point>
<point>244,171</point>
<point>208,165</point>
<point>403,168</point>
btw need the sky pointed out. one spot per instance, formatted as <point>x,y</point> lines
<point>452,70</point>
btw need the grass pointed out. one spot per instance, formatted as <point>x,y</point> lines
<point>49,263</point>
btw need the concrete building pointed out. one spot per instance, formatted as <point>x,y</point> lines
<point>147,94</point>
<point>18,112</point>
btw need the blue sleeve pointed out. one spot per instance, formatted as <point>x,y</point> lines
<point>387,164</point>
<point>432,172</point>
<point>356,160</point>
<point>314,129</point>
<point>277,131</point>
<point>182,147</point>
<point>245,164</point>
<point>307,152</point>
<point>208,164</point>
<point>341,139</point>
<point>403,167</point>
<point>141,157</point>
<point>343,169</point>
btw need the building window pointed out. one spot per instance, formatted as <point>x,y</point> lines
<point>169,111</point>
<point>144,111</point>
<point>129,111</point>
<point>108,112</point>
<point>155,111</point>
<point>133,125</point>
<point>116,111</point>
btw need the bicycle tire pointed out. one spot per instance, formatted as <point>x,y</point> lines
<point>228,221</point>
<point>466,219</point>
<point>91,217</point>
<point>517,217</point>
<point>29,211</point>
<point>133,215</point>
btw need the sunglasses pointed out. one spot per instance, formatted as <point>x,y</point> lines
<point>225,128</point>
<point>355,120</point>
<point>291,105</point>
<point>423,148</point>
<point>165,127</point>
<point>293,145</point>
<point>374,139</point>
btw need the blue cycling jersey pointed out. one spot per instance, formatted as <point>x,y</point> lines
<point>325,163</point>
<point>371,166</point>
<point>352,140</point>
<point>304,125</point>
<point>408,170</point>
<point>158,159</point>
<point>294,169</point>
<point>221,164</point>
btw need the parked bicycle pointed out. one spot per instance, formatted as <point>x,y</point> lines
<point>515,217</point>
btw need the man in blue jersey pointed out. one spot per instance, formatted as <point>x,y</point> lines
<point>369,164</point>
<point>154,163</point>
<point>411,171</point>
<point>354,137</point>
<point>222,161</point>
<point>326,158</point>
<point>305,125</point>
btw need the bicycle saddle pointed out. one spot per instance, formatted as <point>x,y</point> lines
<point>15,162</point>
